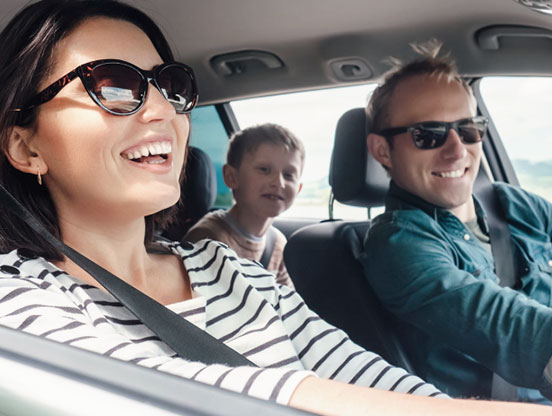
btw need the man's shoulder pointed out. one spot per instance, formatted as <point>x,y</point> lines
<point>402,218</point>
<point>518,202</point>
<point>514,193</point>
<point>508,189</point>
<point>404,229</point>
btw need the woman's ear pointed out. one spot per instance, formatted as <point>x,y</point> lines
<point>22,154</point>
<point>230,176</point>
<point>378,146</point>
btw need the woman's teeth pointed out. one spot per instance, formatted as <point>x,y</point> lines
<point>150,149</point>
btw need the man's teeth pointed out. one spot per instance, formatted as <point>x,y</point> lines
<point>452,174</point>
<point>150,149</point>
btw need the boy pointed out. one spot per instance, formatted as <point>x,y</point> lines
<point>263,170</point>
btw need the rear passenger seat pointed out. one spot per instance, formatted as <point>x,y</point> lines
<point>199,191</point>
<point>321,258</point>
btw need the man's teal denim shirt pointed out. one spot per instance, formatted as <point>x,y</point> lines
<point>459,324</point>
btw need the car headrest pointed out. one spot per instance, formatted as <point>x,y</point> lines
<point>356,177</point>
<point>198,193</point>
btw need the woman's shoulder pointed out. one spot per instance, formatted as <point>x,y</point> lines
<point>210,262</point>
<point>210,253</point>
<point>23,263</point>
<point>21,268</point>
<point>202,249</point>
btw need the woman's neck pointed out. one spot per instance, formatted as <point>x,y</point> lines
<point>122,252</point>
<point>118,248</point>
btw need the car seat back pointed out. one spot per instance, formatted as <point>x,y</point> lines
<point>322,258</point>
<point>198,193</point>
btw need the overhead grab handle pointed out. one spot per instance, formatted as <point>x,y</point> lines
<point>489,38</point>
<point>235,63</point>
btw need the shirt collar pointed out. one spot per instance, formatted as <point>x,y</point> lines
<point>399,199</point>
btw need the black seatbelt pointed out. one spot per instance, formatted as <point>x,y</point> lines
<point>270,239</point>
<point>501,246</point>
<point>501,239</point>
<point>187,340</point>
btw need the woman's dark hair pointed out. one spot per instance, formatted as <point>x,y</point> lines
<point>28,44</point>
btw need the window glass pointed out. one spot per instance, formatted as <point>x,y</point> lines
<point>520,108</point>
<point>312,116</point>
<point>209,134</point>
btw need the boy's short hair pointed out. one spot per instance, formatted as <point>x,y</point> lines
<point>247,140</point>
<point>430,64</point>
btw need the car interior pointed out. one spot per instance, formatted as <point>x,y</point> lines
<point>247,49</point>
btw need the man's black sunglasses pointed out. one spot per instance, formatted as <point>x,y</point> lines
<point>433,134</point>
<point>121,88</point>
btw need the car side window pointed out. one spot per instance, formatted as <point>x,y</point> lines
<point>312,116</point>
<point>520,109</point>
<point>208,134</point>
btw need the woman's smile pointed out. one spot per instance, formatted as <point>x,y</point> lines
<point>153,155</point>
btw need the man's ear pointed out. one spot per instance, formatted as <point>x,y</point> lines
<point>378,146</point>
<point>230,176</point>
<point>300,187</point>
<point>21,153</point>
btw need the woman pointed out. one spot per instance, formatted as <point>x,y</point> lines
<point>94,146</point>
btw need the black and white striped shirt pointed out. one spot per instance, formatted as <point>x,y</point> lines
<point>234,300</point>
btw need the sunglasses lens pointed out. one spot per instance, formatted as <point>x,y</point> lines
<point>119,88</point>
<point>429,135</point>
<point>472,131</point>
<point>178,86</point>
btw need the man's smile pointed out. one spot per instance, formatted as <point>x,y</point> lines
<point>451,173</point>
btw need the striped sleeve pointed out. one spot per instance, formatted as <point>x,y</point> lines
<point>35,306</point>
<point>330,353</point>
<point>315,344</point>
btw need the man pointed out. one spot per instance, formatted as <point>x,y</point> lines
<point>428,256</point>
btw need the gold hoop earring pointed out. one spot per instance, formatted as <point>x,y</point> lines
<point>38,176</point>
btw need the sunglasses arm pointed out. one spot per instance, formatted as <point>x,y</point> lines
<point>53,89</point>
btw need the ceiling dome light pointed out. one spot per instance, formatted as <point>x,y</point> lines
<point>541,6</point>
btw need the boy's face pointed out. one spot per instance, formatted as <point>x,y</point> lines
<point>267,180</point>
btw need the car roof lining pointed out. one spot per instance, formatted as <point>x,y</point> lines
<point>308,35</point>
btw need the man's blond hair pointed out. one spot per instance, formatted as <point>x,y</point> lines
<point>429,63</point>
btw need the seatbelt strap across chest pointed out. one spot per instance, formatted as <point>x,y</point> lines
<point>501,238</point>
<point>187,340</point>
<point>270,239</point>
<point>501,246</point>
